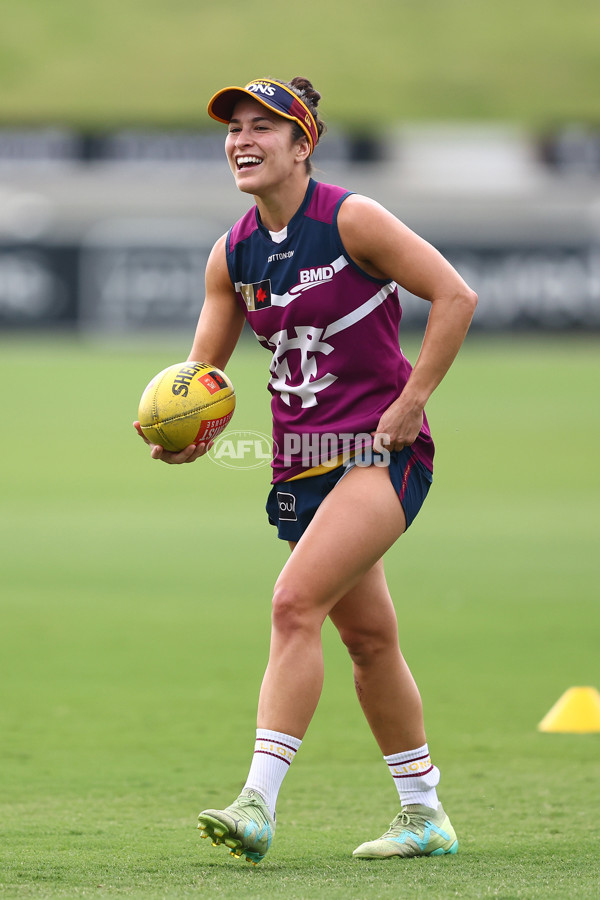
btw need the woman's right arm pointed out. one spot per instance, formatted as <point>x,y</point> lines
<point>221,319</point>
<point>217,333</point>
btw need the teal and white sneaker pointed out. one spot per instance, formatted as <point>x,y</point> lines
<point>246,827</point>
<point>416,831</point>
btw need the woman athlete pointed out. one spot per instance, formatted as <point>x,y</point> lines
<point>314,269</point>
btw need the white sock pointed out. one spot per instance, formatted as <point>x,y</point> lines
<point>415,777</point>
<point>273,755</point>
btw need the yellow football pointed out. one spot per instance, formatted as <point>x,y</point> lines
<point>185,404</point>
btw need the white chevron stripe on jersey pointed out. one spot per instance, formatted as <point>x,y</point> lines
<point>361,311</point>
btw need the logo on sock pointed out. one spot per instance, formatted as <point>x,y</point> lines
<point>280,751</point>
<point>413,767</point>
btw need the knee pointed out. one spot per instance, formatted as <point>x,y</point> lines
<point>290,611</point>
<point>366,646</point>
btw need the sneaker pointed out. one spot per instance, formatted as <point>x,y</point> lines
<point>416,831</point>
<point>246,827</point>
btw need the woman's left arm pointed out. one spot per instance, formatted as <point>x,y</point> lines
<point>386,248</point>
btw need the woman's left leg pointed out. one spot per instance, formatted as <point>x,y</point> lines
<point>366,620</point>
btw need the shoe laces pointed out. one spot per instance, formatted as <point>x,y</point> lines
<point>403,820</point>
<point>256,802</point>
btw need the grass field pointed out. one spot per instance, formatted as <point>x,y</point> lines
<point>382,62</point>
<point>135,612</point>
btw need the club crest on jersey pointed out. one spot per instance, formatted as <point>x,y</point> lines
<point>257,296</point>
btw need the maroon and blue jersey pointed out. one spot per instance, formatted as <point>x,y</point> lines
<point>331,328</point>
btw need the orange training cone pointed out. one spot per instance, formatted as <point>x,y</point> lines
<point>576,712</point>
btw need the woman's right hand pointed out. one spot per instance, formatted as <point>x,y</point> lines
<point>187,455</point>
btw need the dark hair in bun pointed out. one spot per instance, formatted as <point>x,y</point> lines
<point>311,97</point>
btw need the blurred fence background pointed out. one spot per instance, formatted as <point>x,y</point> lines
<point>106,225</point>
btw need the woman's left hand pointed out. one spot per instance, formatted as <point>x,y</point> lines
<point>399,426</point>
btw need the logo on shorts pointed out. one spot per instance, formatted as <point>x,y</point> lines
<point>287,507</point>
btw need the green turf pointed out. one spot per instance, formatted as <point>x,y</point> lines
<point>135,612</point>
<point>380,62</point>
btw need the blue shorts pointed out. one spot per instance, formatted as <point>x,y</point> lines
<point>291,505</point>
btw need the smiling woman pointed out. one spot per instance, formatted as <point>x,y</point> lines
<point>296,100</point>
<point>314,269</point>
<point>272,111</point>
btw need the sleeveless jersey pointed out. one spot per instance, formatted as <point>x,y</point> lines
<point>331,328</point>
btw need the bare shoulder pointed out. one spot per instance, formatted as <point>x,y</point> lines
<point>217,271</point>
<point>386,247</point>
<point>362,221</point>
<point>219,245</point>
<point>221,317</point>
<point>369,232</point>
<point>217,255</point>
<point>357,208</point>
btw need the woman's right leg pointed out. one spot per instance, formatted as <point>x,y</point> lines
<point>352,529</point>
